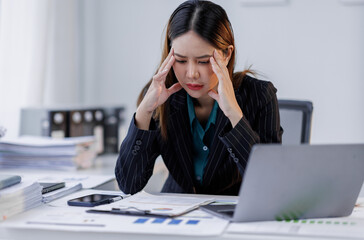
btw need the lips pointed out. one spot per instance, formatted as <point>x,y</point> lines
<point>194,86</point>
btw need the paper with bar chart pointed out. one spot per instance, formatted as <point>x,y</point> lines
<point>345,227</point>
<point>196,223</point>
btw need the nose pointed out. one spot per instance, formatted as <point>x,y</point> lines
<point>192,71</point>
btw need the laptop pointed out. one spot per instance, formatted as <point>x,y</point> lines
<point>285,182</point>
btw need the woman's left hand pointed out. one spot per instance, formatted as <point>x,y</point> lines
<point>225,95</point>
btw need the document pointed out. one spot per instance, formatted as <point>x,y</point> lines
<point>47,153</point>
<point>147,204</point>
<point>73,182</point>
<point>87,181</point>
<point>19,198</point>
<point>32,144</point>
<point>58,216</point>
<point>68,189</point>
<point>343,227</point>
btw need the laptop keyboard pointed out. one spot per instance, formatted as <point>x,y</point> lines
<point>226,210</point>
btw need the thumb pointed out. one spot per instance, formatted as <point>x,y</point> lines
<point>174,88</point>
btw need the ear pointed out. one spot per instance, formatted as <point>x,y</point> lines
<point>227,54</point>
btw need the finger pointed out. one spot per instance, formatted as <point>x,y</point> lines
<point>212,93</point>
<point>216,68</point>
<point>161,75</point>
<point>169,64</point>
<point>170,54</point>
<point>165,61</point>
<point>174,88</point>
<point>218,58</point>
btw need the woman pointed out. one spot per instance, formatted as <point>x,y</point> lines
<point>195,112</point>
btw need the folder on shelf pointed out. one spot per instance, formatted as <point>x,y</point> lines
<point>98,130</point>
<point>76,121</point>
<point>58,124</point>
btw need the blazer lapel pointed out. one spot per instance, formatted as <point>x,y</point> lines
<point>217,149</point>
<point>181,134</point>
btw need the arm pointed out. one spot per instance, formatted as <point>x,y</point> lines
<point>239,136</point>
<point>240,139</point>
<point>139,149</point>
<point>136,159</point>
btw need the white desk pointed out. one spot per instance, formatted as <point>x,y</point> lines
<point>105,166</point>
<point>21,234</point>
<point>62,235</point>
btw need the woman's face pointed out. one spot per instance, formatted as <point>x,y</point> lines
<point>192,64</point>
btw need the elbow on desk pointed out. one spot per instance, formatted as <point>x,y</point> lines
<point>127,185</point>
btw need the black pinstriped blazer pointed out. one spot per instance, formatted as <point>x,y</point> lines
<point>229,150</point>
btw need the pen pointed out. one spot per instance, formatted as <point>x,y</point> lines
<point>123,212</point>
<point>129,211</point>
<point>111,200</point>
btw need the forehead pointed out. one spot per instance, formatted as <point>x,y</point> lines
<point>191,44</point>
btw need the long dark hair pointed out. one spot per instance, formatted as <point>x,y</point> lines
<point>211,23</point>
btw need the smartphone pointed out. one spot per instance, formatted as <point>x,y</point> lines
<point>49,187</point>
<point>94,200</point>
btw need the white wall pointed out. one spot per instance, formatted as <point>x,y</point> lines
<point>38,57</point>
<point>310,49</point>
<point>123,41</point>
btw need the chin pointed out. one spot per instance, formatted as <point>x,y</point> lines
<point>196,94</point>
<point>193,94</point>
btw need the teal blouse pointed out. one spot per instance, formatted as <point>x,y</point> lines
<point>202,138</point>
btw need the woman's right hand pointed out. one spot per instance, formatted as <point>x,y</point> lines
<point>157,93</point>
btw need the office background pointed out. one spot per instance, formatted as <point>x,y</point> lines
<point>97,52</point>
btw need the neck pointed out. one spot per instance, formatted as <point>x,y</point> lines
<point>205,101</point>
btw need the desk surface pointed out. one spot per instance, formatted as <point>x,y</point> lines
<point>21,234</point>
<point>105,166</point>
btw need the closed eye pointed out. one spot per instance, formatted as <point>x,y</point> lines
<point>204,62</point>
<point>181,61</point>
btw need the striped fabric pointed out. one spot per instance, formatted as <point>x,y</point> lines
<point>229,150</point>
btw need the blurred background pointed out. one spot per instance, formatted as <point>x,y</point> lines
<point>102,52</point>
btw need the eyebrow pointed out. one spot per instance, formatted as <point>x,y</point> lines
<point>203,56</point>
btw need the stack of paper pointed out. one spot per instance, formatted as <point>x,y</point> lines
<point>19,198</point>
<point>49,153</point>
<point>68,189</point>
<point>73,183</point>
<point>61,217</point>
<point>147,204</point>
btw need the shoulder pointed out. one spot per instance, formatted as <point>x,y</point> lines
<point>256,90</point>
